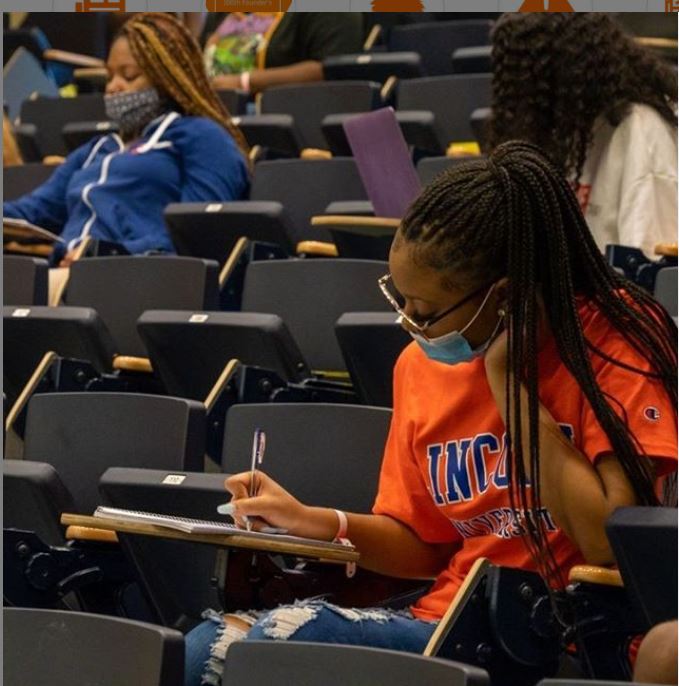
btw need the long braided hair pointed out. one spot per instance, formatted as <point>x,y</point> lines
<point>171,59</point>
<point>515,215</point>
<point>555,74</point>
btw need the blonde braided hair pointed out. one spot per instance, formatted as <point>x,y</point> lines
<point>171,59</point>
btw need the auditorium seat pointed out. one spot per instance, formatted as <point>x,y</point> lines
<point>373,66</point>
<point>24,280</point>
<point>451,99</point>
<point>82,434</point>
<point>473,60</point>
<point>121,288</point>
<point>371,343</point>
<point>258,663</point>
<point>310,295</point>
<point>33,499</point>
<point>428,168</point>
<point>189,350</point>
<point>666,289</point>
<point>50,115</point>
<point>307,104</point>
<point>72,332</point>
<point>19,179</point>
<point>66,648</point>
<point>436,41</point>
<point>309,451</point>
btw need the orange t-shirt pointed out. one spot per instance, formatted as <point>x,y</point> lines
<point>444,473</point>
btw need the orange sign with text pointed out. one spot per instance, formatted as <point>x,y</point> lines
<point>552,6</point>
<point>100,6</point>
<point>247,5</point>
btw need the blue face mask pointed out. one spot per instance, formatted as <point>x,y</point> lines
<point>453,347</point>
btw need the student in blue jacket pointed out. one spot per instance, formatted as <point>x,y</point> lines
<point>176,144</point>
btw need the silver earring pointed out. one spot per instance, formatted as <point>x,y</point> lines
<point>502,313</point>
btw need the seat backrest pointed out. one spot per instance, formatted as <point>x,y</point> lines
<point>50,115</point>
<point>305,188</point>
<point>428,168</point>
<point>82,434</point>
<point>371,343</point>
<point>34,498</point>
<point>30,332</point>
<point>83,648</point>
<point>310,296</point>
<point>121,288</point>
<point>179,593</point>
<point>189,350</point>
<point>436,41</point>
<point>20,179</point>
<point>644,542</point>
<point>666,289</point>
<point>24,280</point>
<point>257,663</point>
<point>452,99</point>
<point>325,454</point>
<point>22,76</point>
<point>309,103</point>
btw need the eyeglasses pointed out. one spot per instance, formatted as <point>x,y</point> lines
<point>387,286</point>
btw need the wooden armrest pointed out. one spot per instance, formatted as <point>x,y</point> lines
<point>73,58</point>
<point>39,249</point>
<point>315,154</point>
<point>328,220</point>
<point>227,373</point>
<point>28,389</point>
<point>53,160</point>
<point>595,575</point>
<point>463,149</point>
<point>127,363</point>
<point>388,87</point>
<point>666,249</point>
<point>330,375</point>
<point>86,533</point>
<point>90,73</point>
<point>317,248</point>
<point>232,260</point>
<point>373,36</point>
<point>651,42</point>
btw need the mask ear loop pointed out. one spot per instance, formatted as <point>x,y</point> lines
<point>478,312</point>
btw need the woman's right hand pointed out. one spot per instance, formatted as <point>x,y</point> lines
<point>271,506</point>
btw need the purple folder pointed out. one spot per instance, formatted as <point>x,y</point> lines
<point>383,161</point>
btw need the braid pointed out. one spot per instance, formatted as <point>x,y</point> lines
<point>171,58</point>
<point>555,74</point>
<point>515,215</point>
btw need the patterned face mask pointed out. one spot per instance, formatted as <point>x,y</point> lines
<point>132,111</point>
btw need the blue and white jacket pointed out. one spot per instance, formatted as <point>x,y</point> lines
<point>116,194</point>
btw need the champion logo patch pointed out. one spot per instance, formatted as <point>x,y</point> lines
<point>652,413</point>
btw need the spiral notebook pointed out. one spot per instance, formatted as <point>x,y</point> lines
<point>204,526</point>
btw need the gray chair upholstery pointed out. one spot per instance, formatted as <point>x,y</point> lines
<point>34,498</point>
<point>66,648</point>
<point>24,280</point>
<point>451,99</point>
<point>371,343</point>
<point>258,663</point>
<point>309,103</point>
<point>436,41</point>
<point>82,434</point>
<point>310,295</point>
<point>121,288</point>
<point>326,454</point>
<point>666,289</point>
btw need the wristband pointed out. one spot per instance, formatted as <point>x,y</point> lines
<point>343,525</point>
<point>245,81</point>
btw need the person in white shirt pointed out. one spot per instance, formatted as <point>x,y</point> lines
<point>603,108</point>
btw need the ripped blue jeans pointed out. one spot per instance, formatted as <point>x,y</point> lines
<point>309,620</point>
